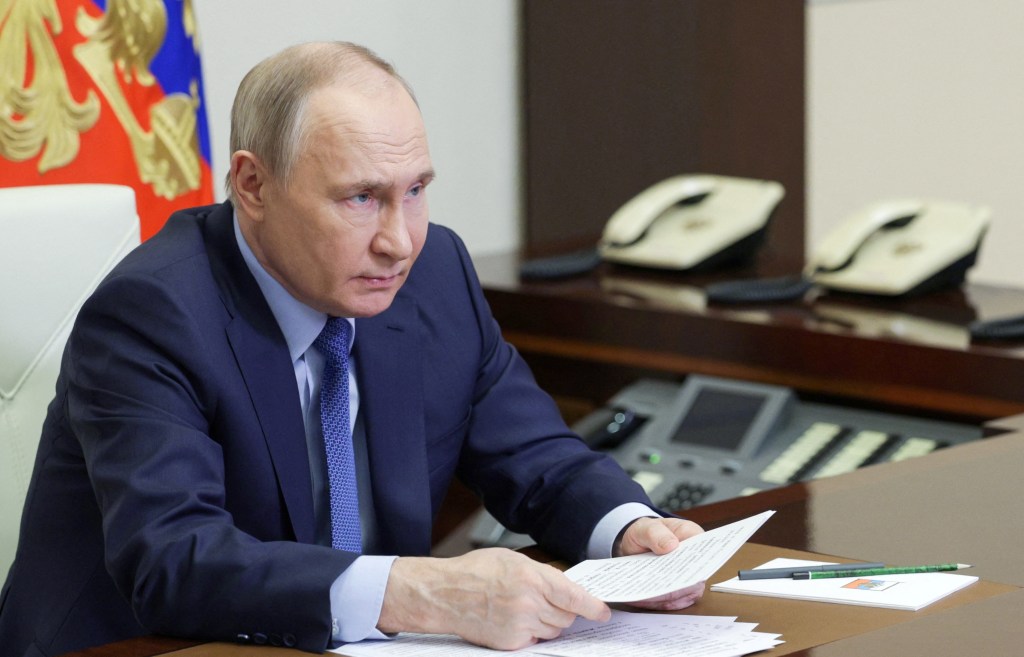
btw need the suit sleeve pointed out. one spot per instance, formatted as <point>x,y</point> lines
<point>533,473</point>
<point>143,399</point>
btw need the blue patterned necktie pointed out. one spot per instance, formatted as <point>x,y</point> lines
<point>334,417</point>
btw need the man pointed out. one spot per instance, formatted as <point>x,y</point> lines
<point>182,484</point>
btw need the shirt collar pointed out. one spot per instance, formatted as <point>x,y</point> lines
<point>299,323</point>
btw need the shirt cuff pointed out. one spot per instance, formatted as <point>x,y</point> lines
<point>602,539</point>
<point>357,597</point>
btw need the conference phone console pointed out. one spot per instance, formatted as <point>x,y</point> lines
<point>711,439</point>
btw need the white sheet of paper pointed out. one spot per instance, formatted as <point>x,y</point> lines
<point>654,635</point>
<point>643,576</point>
<point>657,635</point>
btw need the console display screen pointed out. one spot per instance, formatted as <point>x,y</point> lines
<point>718,418</point>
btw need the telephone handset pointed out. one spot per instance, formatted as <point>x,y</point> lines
<point>892,248</point>
<point>839,247</point>
<point>901,246</point>
<point>906,247</point>
<point>691,221</point>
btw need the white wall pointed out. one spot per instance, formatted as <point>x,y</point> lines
<point>919,98</point>
<point>458,55</point>
<point>905,98</point>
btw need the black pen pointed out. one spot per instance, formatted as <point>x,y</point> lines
<point>778,573</point>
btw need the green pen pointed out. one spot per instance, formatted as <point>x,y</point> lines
<point>871,572</point>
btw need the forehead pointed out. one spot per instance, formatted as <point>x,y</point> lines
<point>359,138</point>
<point>377,120</point>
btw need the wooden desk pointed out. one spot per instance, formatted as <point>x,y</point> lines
<point>953,505</point>
<point>960,504</point>
<point>588,337</point>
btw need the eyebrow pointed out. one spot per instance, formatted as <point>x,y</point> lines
<point>426,176</point>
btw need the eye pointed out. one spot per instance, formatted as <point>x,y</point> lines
<point>361,199</point>
<point>416,190</point>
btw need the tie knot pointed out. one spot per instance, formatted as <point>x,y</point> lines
<point>333,340</point>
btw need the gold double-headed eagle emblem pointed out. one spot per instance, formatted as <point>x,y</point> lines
<point>39,115</point>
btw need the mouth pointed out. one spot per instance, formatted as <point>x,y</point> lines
<point>381,280</point>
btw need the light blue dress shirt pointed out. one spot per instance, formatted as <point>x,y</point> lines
<point>358,594</point>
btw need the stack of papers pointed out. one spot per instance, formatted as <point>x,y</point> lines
<point>624,579</point>
<point>625,635</point>
<point>909,592</point>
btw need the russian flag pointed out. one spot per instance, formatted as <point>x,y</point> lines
<point>106,91</point>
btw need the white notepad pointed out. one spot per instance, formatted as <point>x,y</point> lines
<point>910,591</point>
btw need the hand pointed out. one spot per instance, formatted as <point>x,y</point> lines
<point>661,536</point>
<point>493,597</point>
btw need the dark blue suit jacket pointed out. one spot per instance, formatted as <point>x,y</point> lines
<point>171,491</point>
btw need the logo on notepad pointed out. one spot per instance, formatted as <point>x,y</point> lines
<point>870,585</point>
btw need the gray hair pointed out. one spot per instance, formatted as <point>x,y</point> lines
<point>268,115</point>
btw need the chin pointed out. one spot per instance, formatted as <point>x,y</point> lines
<point>366,306</point>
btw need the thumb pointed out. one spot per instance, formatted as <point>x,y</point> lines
<point>648,535</point>
<point>570,596</point>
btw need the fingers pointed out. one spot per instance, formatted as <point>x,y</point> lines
<point>661,536</point>
<point>546,603</point>
<point>556,618</point>
<point>570,597</point>
<point>676,600</point>
<point>657,535</point>
<point>504,600</point>
<point>493,597</point>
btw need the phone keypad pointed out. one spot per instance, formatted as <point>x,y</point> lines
<point>685,495</point>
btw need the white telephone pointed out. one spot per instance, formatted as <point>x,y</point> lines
<point>691,221</point>
<point>901,246</point>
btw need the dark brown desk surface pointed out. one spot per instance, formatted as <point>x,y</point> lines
<point>959,504</point>
<point>590,336</point>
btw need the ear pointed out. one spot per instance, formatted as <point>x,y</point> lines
<point>248,180</point>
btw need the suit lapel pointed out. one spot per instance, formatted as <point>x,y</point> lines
<point>265,365</point>
<point>270,381</point>
<point>391,401</point>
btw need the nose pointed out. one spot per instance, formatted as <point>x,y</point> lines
<point>393,238</point>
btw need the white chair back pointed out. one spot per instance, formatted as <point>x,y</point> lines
<point>56,243</point>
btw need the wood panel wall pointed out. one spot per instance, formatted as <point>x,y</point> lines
<point>619,94</point>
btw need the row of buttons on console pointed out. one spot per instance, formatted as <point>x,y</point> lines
<point>804,453</point>
<point>807,451</point>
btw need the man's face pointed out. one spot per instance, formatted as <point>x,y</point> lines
<point>342,233</point>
